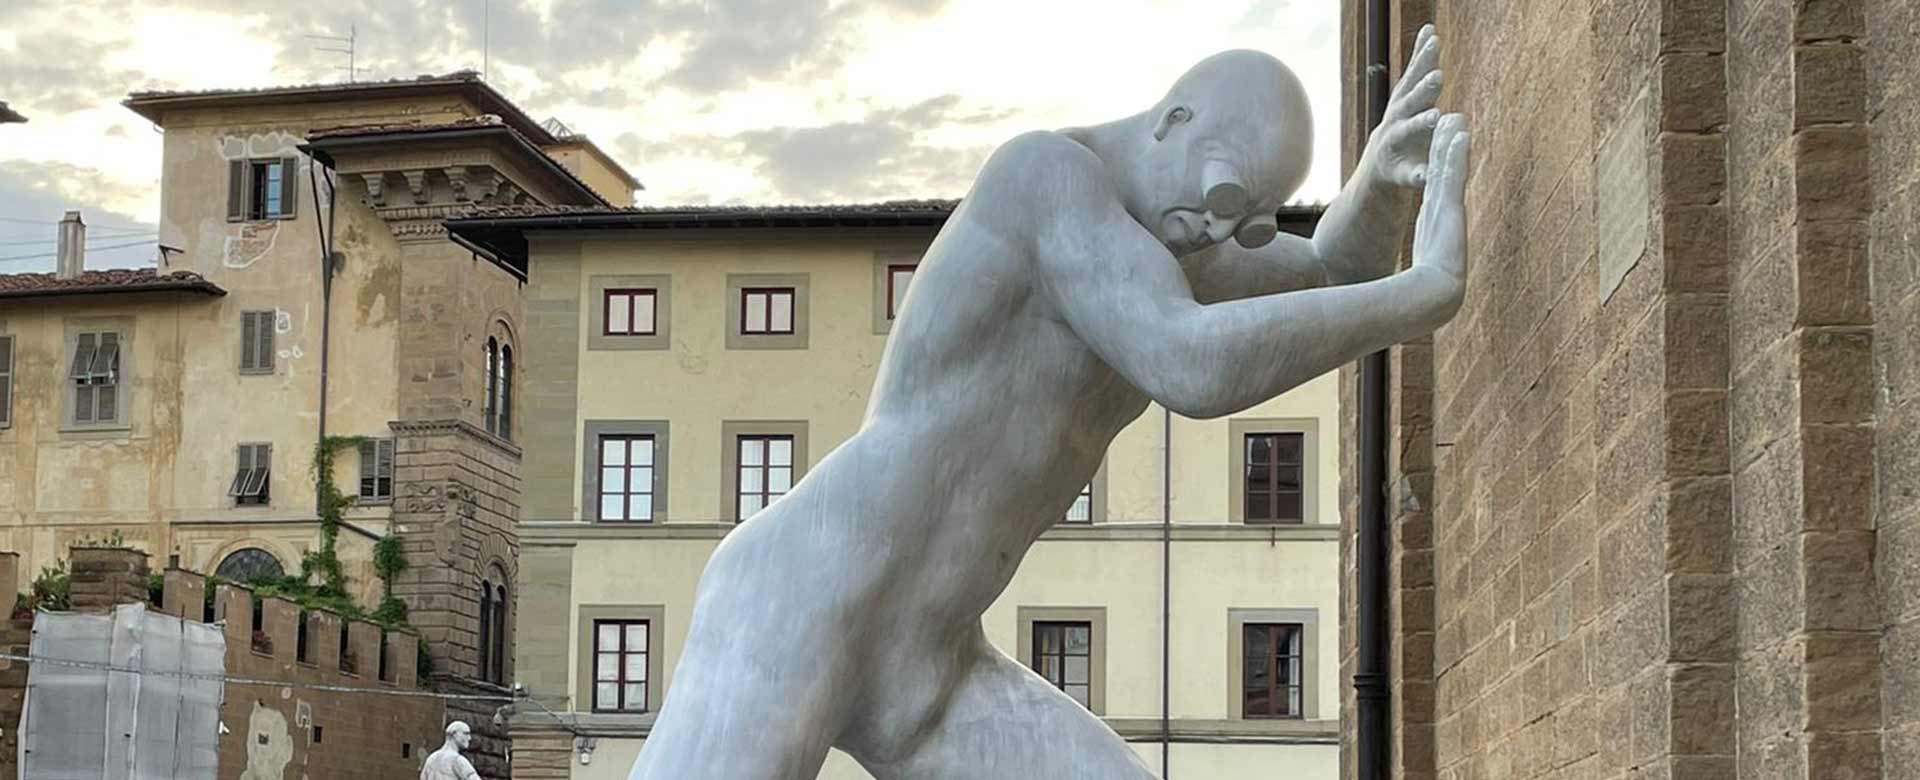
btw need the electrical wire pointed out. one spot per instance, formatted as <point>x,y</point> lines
<point>103,225</point>
<point>94,249</point>
<point>90,236</point>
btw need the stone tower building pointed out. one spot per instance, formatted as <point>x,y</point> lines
<point>1655,507</point>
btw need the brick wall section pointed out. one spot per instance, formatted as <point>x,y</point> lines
<point>1892,108</point>
<point>541,751</point>
<point>359,734</point>
<point>1802,418</point>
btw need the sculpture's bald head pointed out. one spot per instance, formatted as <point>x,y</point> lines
<point>1231,141</point>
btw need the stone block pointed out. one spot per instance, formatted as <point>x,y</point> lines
<point>1696,332</point>
<point>1772,599</point>
<point>1696,433</point>
<point>1831,173</point>
<point>1897,563</point>
<point>1700,618</point>
<point>1650,728</point>
<point>1842,680</point>
<point>1839,580</point>
<point>1699,525</point>
<point>1836,374</point>
<point>1769,694</point>
<point>1846,756</point>
<point>1830,83</point>
<point>1838,477</point>
<point>1702,708</point>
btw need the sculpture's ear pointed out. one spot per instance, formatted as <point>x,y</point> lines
<point>1177,115</point>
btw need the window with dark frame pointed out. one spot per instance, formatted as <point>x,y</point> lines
<point>253,475</point>
<point>626,477</point>
<point>1274,471</point>
<point>256,342</point>
<point>96,378</point>
<point>630,312</point>
<point>765,472</point>
<point>506,392</point>
<point>620,665</point>
<point>1063,655</point>
<point>898,278</point>
<point>766,311</point>
<point>490,404</point>
<point>485,646</point>
<point>262,189</point>
<point>1271,681</point>
<point>376,470</point>
<point>1082,509</point>
<point>6,381</point>
<point>497,672</point>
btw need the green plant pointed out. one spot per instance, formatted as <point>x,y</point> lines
<point>52,589</point>
<point>156,587</point>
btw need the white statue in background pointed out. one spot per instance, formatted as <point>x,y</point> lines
<point>447,763</point>
<point>1088,272</point>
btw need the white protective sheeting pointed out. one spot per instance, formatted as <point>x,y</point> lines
<point>153,714</point>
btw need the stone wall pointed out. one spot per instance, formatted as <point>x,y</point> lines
<point>273,730</point>
<point>1657,420</point>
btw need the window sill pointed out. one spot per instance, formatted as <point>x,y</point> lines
<point>96,431</point>
<point>258,372</point>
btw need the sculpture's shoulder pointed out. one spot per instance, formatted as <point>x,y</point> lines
<point>1034,174</point>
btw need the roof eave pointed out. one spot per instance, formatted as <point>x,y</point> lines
<point>207,289</point>
<point>322,149</point>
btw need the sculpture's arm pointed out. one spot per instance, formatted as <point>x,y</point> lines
<point>1359,236</point>
<point>1120,292</point>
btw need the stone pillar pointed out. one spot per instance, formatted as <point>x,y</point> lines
<point>184,595</point>
<point>105,576</point>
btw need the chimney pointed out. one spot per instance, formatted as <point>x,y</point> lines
<point>73,247</point>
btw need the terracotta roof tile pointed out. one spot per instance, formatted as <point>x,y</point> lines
<point>120,280</point>
<point>883,208</point>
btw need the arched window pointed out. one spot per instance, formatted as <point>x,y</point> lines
<point>498,673</point>
<point>486,629</point>
<point>506,392</point>
<point>248,564</point>
<point>492,665</point>
<point>490,403</point>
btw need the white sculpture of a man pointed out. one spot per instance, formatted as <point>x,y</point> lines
<point>1088,272</point>
<point>447,763</point>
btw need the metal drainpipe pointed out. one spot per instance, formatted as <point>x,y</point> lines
<point>1371,693</point>
<point>1166,591</point>
<point>325,233</point>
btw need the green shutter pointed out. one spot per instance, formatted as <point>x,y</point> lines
<point>236,190</point>
<point>6,381</point>
<point>249,332</point>
<point>289,186</point>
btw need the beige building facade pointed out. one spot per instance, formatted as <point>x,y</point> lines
<point>311,294</point>
<point>687,365</point>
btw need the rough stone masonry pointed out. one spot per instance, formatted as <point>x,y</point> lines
<point>1656,506</point>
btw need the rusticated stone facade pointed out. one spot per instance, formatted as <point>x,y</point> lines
<point>1654,487</point>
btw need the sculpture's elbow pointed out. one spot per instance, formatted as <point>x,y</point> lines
<point>1198,400</point>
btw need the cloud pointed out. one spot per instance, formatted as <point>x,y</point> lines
<point>34,195</point>
<point>884,154</point>
<point>51,72</point>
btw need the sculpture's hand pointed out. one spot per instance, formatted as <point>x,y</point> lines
<point>1396,153</point>
<point>1440,233</point>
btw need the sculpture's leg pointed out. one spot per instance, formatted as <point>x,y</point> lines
<point>1006,723</point>
<point>734,716</point>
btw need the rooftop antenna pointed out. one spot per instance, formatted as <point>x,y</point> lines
<point>486,36</point>
<point>347,45</point>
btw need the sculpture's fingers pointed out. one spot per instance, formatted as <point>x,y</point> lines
<point>1426,56</point>
<point>1426,32</point>
<point>1422,97</point>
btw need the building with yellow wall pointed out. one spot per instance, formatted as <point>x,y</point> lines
<point>308,291</point>
<point>684,366</point>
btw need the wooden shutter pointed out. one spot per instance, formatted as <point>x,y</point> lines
<point>369,468</point>
<point>249,333</point>
<point>236,190</point>
<point>289,186</point>
<point>506,392</point>
<point>6,381</point>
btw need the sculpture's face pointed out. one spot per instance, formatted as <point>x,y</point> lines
<point>1232,142</point>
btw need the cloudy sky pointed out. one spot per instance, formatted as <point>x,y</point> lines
<point>705,101</point>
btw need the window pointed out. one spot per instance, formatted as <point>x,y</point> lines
<point>765,471</point>
<point>248,564</point>
<point>620,665</point>
<point>1063,655</point>
<point>96,378</point>
<point>766,311</point>
<point>492,665</point>
<point>506,392</point>
<point>1082,509</point>
<point>256,342</point>
<point>1272,685</point>
<point>6,381</point>
<point>626,477</point>
<point>376,470</point>
<point>898,277</point>
<point>253,476</point>
<point>1274,470</point>
<point>497,407</point>
<point>630,312</point>
<point>262,189</point>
